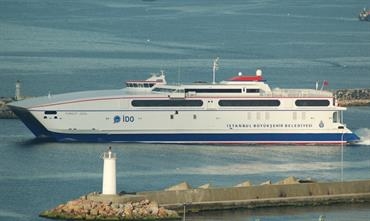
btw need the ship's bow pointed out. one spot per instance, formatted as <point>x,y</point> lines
<point>30,121</point>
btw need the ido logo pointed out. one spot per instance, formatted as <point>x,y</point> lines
<point>125,119</point>
<point>128,119</point>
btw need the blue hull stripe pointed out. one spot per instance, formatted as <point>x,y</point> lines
<point>210,138</point>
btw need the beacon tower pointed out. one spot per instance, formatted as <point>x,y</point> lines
<point>109,173</point>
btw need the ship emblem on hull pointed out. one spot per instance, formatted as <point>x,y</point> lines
<point>321,125</point>
<point>116,119</point>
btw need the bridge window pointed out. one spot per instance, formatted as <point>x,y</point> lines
<point>166,90</point>
<point>312,103</point>
<point>214,90</point>
<point>253,90</point>
<point>167,103</point>
<point>50,112</point>
<point>249,103</point>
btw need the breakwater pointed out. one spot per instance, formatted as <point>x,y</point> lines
<point>5,112</point>
<point>168,203</point>
<point>353,97</point>
<point>180,198</point>
<point>87,209</point>
<point>267,195</point>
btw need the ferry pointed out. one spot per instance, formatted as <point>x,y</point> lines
<point>240,110</point>
<point>364,15</point>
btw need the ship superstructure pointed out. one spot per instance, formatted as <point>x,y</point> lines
<point>241,110</point>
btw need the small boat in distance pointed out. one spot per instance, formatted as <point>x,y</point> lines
<point>364,15</point>
<point>240,110</point>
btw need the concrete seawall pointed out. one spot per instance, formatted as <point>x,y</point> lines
<point>272,195</point>
<point>263,196</point>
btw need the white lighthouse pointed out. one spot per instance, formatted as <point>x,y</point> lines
<point>17,90</point>
<point>109,173</point>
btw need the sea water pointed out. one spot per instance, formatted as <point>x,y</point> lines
<point>63,46</point>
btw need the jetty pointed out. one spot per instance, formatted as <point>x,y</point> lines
<point>87,209</point>
<point>265,195</point>
<point>182,198</point>
<point>5,112</point>
<point>353,97</point>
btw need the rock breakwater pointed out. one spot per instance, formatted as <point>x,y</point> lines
<point>353,97</point>
<point>5,112</point>
<point>86,209</point>
<point>180,198</point>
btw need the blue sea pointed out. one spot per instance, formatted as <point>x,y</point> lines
<point>63,46</point>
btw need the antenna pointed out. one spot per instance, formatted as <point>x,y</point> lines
<point>215,67</point>
<point>178,72</point>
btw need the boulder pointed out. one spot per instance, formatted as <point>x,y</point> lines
<point>153,208</point>
<point>289,180</point>
<point>180,186</point>
<point>162,212</point>
<point>244,184</point>
<point>94,212</point>
<point>268,182</point>
<point>205,186</point>
<point>128,209</point>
